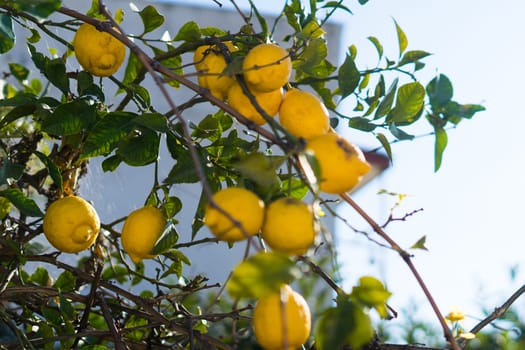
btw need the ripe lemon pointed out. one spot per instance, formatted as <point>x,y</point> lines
<point>268,101</point>
<point>210,63</point>
<point>141,230</point>
<point>267,67</point>
<point>342,164</point>
<point>303,114</point>
<point>98,52</point>
<point>243,206</point>
<point>289,226</point>
<point>71,224</point>
<point>270,312</point>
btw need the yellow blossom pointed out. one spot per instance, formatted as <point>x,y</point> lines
<point>455,315</point>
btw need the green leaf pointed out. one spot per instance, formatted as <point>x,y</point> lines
<point>348,77</point>
<point>7,34</point>
<point>65,282</point>
<point>377,44</point>
<point>386,145</point>
<point>10,170</point>
<point>412,57</point>
<point>294,187</point>
<point>420,244</point>
<point>337,5</point>
<point>398,133</point>
<point>183,171</point>
<point>371,292</point>
<point>54,172</point>
<point>402,40</point>
<point>151,18</point>
<point>68,311</point>
<point>347,324</point>
<point>139,147</point>
<point>361,124</point>
<point>19,72</point>
<point>260,18</point>
<point>17,113</point>
<point>41,276</point>
<point>40,8</point>
<point>106,134</point>
<point>152,121</point>
<point>171,206</point>
<point>55,71</point>
<point>189,32</point>
<point>133,68</point>
<point>26,205</point>
<point>260,274</point>
<point>385,106</point>
<point>212,126</point>
<point>70,118</point>
<point>409,103</point>
<point>261,169</point>
<point>168,239</point>
<point>439,146</point>
<point>454,111</point>
<point>111,163</point>
<point>440,91</point>
<point>312,56</point>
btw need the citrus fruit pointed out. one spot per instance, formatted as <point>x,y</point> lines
<point>71,224</point>
<point>268,101</point>
<point>141,230</point>
<point>210,63</point>
<point>98,52</point>
<point>303,114</point>
<point>267,67</point>
<point>341,163</point>
<point>270,312</point>
<point>243,206</point>
<point>289,226</point>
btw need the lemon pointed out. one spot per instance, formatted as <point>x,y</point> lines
<point>303,114</point>
<point>141,230</point>
<point>270,312</point>
<point>289,226</point>
<point>268,101</point>
<point>71,224</point>
<point>342,164</point>
<point>210,63</point>
<point>267,67</point>
<point>98,52</point>
<point>243,206</point>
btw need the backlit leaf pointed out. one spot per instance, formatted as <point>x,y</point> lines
<point>151,18</point>
<point>169,237</point>
<point>385,105</point>
<point>386,145</point>
<point>412,57</point>
<point>189,32</point>
<point>409,102</point>
<point>439,146</point>
<point>420,244</point>
<point>54,172</point>
<point>402,40</point>
<point>26,205</point>
<point>377,44</point>
<point>7,35</point>
<point>261,274</point>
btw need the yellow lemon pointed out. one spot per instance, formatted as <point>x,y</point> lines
<point>342,164</point>
<point>289,226</point>
<point>270,312</point>
<point>268,101</point>
<point>243,206</point>
<point>71,224</point>
<point>303,114</point>
<point>142,229</point>
<point>98,52</point>
<point>267,67</point>
<point>210,63</point>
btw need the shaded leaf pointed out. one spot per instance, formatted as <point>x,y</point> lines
<point>65,282</point>
<point>167,240</point>
<point>260,168</point>
<point>10,170</point>
<point>412,57</point>
<point>54,172</point>
<point>361,124</point>
<point>70,118</point>
<point>17,113</point>
<point>139,147</point>
<point>348,77</point>
<point>40,8</point>
<point>55,71</point>
<point>152,121</point>
<point>398,133</point>
<point>260,274</point>
<point>440,91</point>
<point>385,105</point>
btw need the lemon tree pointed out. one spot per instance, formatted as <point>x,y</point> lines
<point>249,144</point>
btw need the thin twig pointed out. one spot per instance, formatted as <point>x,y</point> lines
<point>407,258</point>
